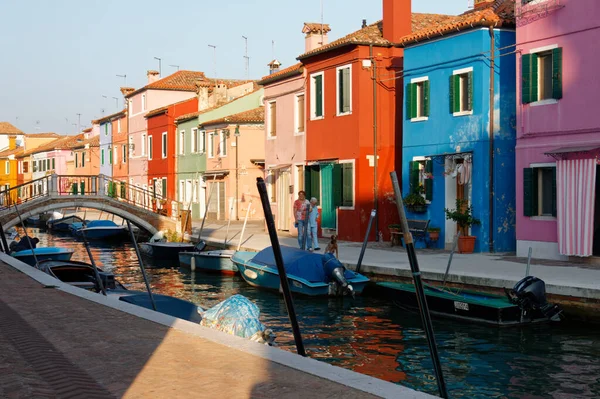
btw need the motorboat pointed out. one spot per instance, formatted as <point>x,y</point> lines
<point>98,230</point>
<point>217,261</point>
<point>64,223</point>
<point>45,253</point>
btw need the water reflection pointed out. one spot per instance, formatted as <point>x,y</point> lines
<point>374,338</point>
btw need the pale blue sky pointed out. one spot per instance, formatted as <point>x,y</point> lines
<point>58,58</point>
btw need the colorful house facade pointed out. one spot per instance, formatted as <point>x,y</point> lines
<point>105,143</point>
<point>558,143</point>
<point>9,136</point>
<point>120,143</point>
<point>457,142</point>
<point>24,161</point>
<point>88,156</point>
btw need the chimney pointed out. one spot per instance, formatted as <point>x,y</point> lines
<point>316,35</point>
<point>483,3</point>
<point>127,90</point>
<point>274,66</point>
<point>364,24</point>
<point>152,76</point>
<point>202,87</point>
<point>397,19</point>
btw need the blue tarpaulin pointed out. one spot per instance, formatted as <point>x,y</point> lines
<point>299,263</point>
<point>236,315</point>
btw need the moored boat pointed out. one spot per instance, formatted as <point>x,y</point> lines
<point>63,224</point>
<point>46,253</point>
<point>168,251</point>
<point>308,273</point>
<point>99,230</point>
<point>218,261</point>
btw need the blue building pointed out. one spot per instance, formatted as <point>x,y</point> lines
<point>448,152</point>
<point>106,145</point>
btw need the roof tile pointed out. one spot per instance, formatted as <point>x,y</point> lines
<point>7,128</point>
<point>282,74</point>
<point>256,115</point>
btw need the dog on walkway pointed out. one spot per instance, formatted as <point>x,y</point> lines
<point>332,247</point>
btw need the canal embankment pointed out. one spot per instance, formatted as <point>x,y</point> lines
<point>574,286</point>
<point>59,340</point>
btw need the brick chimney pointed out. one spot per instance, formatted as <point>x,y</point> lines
<point>397,19</point>
<point>153,76</point>
<point>316,35</point>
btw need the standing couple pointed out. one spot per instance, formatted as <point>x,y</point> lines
<point>300,207</point>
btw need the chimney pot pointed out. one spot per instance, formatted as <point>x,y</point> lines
<point>364,24</point>
<point>153,76</point>
<point>397,19</point>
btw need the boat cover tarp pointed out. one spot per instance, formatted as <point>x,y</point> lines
<point>236,315</point>
<point>101,223</point>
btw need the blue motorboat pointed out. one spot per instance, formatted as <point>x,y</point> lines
<point>218,261</point>
<point>64,223</point>
<point>308,273</point>
<point>98,230</point>
<point>47,253</point>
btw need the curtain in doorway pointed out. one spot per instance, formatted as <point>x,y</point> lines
<point>576,193</point>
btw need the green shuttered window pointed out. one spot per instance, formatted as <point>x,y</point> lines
<point>417,99</point>
<point>317,96</point>
<point>539,191</point>
<point>312,182</point>
<point>344,87</point>
<point>419,174</point>
<point>541,76</point>
<point>461,96</point>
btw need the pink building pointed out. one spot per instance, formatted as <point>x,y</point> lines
<point>156,94</point>
<point>558,128</point>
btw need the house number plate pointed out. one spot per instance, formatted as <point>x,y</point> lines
<point>461,305</point>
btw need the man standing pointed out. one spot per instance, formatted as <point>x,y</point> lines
<point>300,206</point>
<point>313,215</point>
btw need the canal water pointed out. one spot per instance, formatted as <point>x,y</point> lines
<point>370,336</point>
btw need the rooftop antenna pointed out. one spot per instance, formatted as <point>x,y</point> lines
<point>37,125</point>
<point>124,77</point>
<point>159,66</point>
<point>78,123</point>
<point>247,59</point>
<point>273,49</point>
<point>116,101</point>
<point>214,58</point>
<point>175,66</point>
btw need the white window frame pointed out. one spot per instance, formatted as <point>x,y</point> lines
<point>202,142</point>
<point>188,196</point>
<point>131,147</point>
<point>353,162</point>
<point>124,153</point>
<point>7,167</point>
<point>297,117</point>
<point>164,145</point>
<point>182,142</point>
<point>195,185</point>
<point>313,98</point>
<point>414,81</point>
<point>194,142</point>
<point>143,145</point>
<point>211,145</point>
<point>119,125</point>
<point>181,190</point>
<point>541,166</point>
<point>537,50</point>
<point>144,102</point>
<point>116,155</point>
<point>269,127</point>
<point>150,145</point>
<point>461,72</point>
<point>337,90</point>
<point>223,143</point>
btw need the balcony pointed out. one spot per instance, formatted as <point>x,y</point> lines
<point>528,11</point>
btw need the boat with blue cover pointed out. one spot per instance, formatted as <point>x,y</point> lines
<point>218,261</point>
<point>98,230</point>
<point>308,273</point>
<point>63,224</point>
<point>46,253</point>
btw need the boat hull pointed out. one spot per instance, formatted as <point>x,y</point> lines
<point>210,261</point>
<point>63,224</point>
<point>102,233</point>
<point>41,254</point>
<point>168,251</point>
<point>466,305</point>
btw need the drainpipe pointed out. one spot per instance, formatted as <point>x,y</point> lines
<point>491,134</point>
<point>375,189</point>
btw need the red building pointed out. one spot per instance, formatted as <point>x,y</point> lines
<point>162,154</point>
<point>354,122</point>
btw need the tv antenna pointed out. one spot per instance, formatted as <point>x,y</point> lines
<point>214,58</point>
<point>124,77</point>
<point>246,58</point>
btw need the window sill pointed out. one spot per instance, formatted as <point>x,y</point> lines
<point>346,208</point>
<point>420,119</point>
<point>544,218</point>
<point>345,113</point>
<point>317,118</point>
<point>463,113</point>
<point>299,134</point>
<point>271,137</point>
<point>548,101</point>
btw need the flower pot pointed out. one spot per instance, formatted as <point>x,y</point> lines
<point>466,244</point>
<point>417,208</point>
<point>434,235</point>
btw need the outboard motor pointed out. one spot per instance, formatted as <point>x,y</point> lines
<point>200,246</point>
<point>530,294</point>
<point>335,272</point>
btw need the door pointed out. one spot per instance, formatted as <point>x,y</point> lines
<point>596,247</point>
<point>222,200</point>
<point>283,196</point>
<point>216,205</point>
<point>328,216</point>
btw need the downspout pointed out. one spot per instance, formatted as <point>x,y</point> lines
<point>491,135</point>
<point>375,189</point>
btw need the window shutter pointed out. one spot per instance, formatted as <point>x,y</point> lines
<point>413,100</point>
<point>557,73</point>
<point>470,91</point>
<point>413,179</point>
<point>534,78</point>
<point>348,184</point>
<point>530,192</point>
<point>451,97</point>
<point>307,181</point>
<point>429,182</point>
<point>164,188</point>
<point>315,183</point>
<point>554,213</point>
<point>344,90</point>
<point>319,96</point>
<point>337,184</point>
<point>426,98</point>
<point>53,163</point>
<point>526,79</point>
<point>409,103</point>
<point>110,160</point>
<point>456,93</point>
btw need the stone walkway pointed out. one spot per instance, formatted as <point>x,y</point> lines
<point>57,345</point>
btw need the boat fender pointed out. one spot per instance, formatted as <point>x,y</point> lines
<point>193,263</point>
<point>158,237</point>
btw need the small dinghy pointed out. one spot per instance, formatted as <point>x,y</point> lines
<point>63,224</point>
<point>47,253</point>
<point>218,261</point>
<point>99,230</point>
<point>158,248</point>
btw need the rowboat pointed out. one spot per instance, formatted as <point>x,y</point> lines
<point>46,253</point>
<point>218,261</point>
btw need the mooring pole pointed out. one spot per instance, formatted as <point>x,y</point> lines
<point>4,242</point>
<point>421,299</point>
<point>450,260</point>
<point>244,227</point>
<point>142,268</point>
<point>366,240</point>
<point>212,186</point>
<point>285,287</point>
<point>89,251</point>
<point>26,235</point>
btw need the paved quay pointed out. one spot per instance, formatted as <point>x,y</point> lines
<point>62,342</point>
<point>483,270</point>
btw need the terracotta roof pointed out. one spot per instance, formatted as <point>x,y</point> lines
<point>15,151</point>
<point>7,128</point>
<point>497,13</point>
<point>193,115</point>
<point>256,115</point>
<point>373,34</point>
<point>315,27</point>
<point>92,142</point>
<point>180,81</point>
<point>110,117</point>
<point>62,143</point>
<point>41,135</point>
<point>284,73</point>
<point>164,109</point>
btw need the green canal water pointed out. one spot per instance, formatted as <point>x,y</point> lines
<point>370,336</point>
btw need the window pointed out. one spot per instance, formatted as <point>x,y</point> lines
<point>131,147</point>
<point>417,99</point>
<point>299,114</point>
<point>195,191</point>
<point>316,96</point>
<point>116,152</point>
<point>272,185</point>
<point>182,142</point>
<point>164,187</point>
<point>343,184</point>
<point>202,141</point>
<point>82,159</point>
<point>164,145</point>
<point>539,191</point>
<point>149,147</point>
<point>188,191</point>
<point>143,102</point>
<point>101,157</point>
<point>110,156</point>
<point>223,143</point>
<point>211,146</point>
<point>541,75</point>
<point>26,167</point>
<point>194,140</point>
<point>420,178</point>
<point>272,122</point>
<point>106,129</point>
<point>181,190</point>
<point>7,167</point>
<point>53,164</point>
<point>124,153</point>
<point>461,92</point>
<point>76,161</point>
<point>344,90</point>
<point>118,125</point>
<point>143,144</point>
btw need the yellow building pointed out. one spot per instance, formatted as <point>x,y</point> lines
<point>8,163</point>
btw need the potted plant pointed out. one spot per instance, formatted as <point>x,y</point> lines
<point>434,233</point>
<point>415,203</point>
<point>463,216</point>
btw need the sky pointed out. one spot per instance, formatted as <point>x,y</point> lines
<point>59,58</point>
